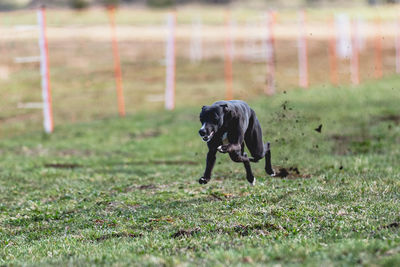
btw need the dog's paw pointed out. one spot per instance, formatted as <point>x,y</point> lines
<point>270,172</point>
<point>253,183</point>
<point>203,180</point>
<point>223,148</point>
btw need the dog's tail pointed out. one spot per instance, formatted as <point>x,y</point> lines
<point>267,148</point>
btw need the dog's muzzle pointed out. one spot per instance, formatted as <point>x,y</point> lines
<point>203,133</point>
<point>207,138</point>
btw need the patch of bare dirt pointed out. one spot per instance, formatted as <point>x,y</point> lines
<point>141,187</point>
<point>116,235</point>
<point>291,173</point>
<point>147,186</point>
<point>391,117</point>
<point>241,229</point>
<point>220,196</point>
<point>63,165</point>
<point>185,233</point>
<point>262,229</point>
<point>341,144</point>
<point>392,225</point>
<point>355,144</point>
<point>146,134</point>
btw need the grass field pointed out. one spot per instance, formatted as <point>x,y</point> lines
<point>125,192</point>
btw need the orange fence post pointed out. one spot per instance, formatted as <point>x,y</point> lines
<point>355,61</point>
<point>45,71</point>
<point>332,54</point>
<point>302,51</point>
<point>228,56</point>
<point>378,49</point>
<point>397,44</point>
<point>117,64</point>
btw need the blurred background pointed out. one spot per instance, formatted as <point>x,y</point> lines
<point>82,4</point>
<point>81,54</point>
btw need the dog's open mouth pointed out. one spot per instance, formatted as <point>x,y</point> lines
<point>207,138</point>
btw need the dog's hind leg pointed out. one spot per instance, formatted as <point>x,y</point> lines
<point>241,156</point>
<point>249,174</point>
<point>268,165</point>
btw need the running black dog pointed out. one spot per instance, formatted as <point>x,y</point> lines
<point>226,127</point>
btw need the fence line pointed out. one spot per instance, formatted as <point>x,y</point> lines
<point>340,39</point>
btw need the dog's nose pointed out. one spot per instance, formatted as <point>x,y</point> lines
<point>202,132</point>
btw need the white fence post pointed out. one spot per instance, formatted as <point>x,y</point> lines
<point>45,71</point>
<point>170,62</point>
<point>302,51</point>
<point>270,55</point>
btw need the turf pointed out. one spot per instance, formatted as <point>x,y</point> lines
<point>125,192</point>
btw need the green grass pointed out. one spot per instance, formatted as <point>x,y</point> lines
<point>133,198</point>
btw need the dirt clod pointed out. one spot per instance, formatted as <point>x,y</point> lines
<point>392,225</point>
<point>290,173</point>
<point>282,173</point>
<point>318,129</point>
<point>284,105</point>
<point>147,186</point>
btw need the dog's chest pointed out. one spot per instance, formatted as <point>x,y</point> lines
<point>224,138</point>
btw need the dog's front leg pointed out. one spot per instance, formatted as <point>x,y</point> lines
<point>211,157</point>
<point>235,139</point>
<point>229,148</point>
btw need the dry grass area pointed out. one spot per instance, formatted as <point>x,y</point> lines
<point>82,66</point>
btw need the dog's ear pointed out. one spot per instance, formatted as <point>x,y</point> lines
<point>228,112</point>
<point>203,107</point>
<point>224,107</point>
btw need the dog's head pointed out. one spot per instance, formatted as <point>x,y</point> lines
<point>212,119</point>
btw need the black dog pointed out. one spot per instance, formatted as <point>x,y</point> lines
<point>226,127</point>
